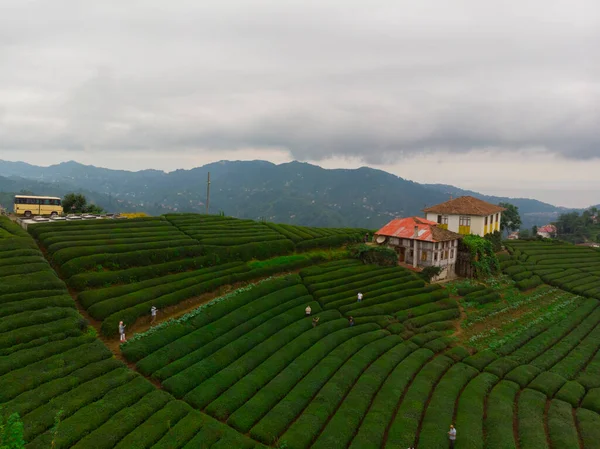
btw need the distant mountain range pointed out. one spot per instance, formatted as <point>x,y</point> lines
<point>295,192</point>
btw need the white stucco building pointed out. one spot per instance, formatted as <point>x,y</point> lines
<point>466,215</point>
<point>421,243</point>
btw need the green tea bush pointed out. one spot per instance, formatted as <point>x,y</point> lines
<point>498,429</point>
<point>562,431</point>
<point>530,416</point>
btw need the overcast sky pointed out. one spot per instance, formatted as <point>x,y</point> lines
<point>497,96</point>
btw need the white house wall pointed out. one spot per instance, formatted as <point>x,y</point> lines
<point>477,222</point>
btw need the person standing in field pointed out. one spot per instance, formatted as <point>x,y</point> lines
<point>122,330</point>
<point>153,311</point>
<point>452,436</point>
<point>350,321</point>
<point>359,296</point>
<point>308,310</point>
<point>315,321</point>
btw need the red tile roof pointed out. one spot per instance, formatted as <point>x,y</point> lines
<point>465,205</point>
<point>548,229</point>
<point>428,231</point>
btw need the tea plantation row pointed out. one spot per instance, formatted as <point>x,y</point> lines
<point>53,367</point>
<point>255,362</point>
<point>124,268</point>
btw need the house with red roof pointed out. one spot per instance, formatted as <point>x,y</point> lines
<point>466,215</point>
<point>548,231</point>
<point>421,243</point>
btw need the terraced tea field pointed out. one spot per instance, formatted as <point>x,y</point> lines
<point>123,268</point>
<point>512,364</point>
<point>52,365</point>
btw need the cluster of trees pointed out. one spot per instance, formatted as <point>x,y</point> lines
<point>76,203</point>
<point>579,228</point>
<point>510,221</point>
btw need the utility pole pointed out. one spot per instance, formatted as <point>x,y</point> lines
<point>207,193</point>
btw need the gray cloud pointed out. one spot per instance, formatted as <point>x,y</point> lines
<point>376,80</point>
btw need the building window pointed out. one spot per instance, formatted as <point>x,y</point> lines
<point>423,256</point>
<point>451,254</point>
<point>464,221</point>
<point>497,215</point>
<point>486,221</point>
<point>445,254</point>
<point>435,257</point>
<point>437,245</point>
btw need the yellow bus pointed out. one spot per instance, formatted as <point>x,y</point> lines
<point>29,205</point>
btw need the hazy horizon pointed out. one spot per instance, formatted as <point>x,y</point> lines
<point>487,96</point>
<point>539,195</point>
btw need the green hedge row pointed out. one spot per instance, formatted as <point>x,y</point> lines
<point>523,374</point>
<point>40,231</point>
<point>110,242</point>
<point>124,234</point>
<point>528,284</point>
<point>562,431</point>
<point>105,279</point>
<point>318,270</point>
<point>110,324</point>
<point>346,418</point>
<point>561,349</point>
<point>338,361</point>
<point>327,336</point>
<point>371,432</point>
<point>322,359</point>
<point>89,298</point>
<point>41,419</point>
<point>337,277</point>
<point>440,411</point>
<point>241,240</point>
<point>40,397</point>
<point>355,283</point>
<point>119,261</point>
<point>531,409</point>
<point>27,268</point>
<point>553,334</point>
<point>547,383</point>
<point>185,352</point>
<point>125,421</point>
<point>405,290</point>
<point>571,392</point>
<point>63,256</point>
<point>371,292</point>
<point>589,427</point>
<point>464,291</point>
<point>403,303</point>
<point>500,405</point>
<point>237,309</point>
<point>522,275</point>
<point>87,419</point>
<point>470,411</point>
<point>102,309</point>
<point>308,422</point>
<point>578,359</point>
<point>23,257</point>
<point>12,228</point>
<point>284,345</point>
<point>403,429</point>
<point>185,381</point>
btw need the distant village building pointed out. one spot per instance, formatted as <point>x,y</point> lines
<point>548,231</point>
<point>421,243</point>
<point>513,236</point>
<point>466,215</point>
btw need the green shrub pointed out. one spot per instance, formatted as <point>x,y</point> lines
<point>528,284</point>
<point>471,410</point>
<point>439,412</point>
<point>523,374</point>
<point>138,258</point>
<point>349,414</point>
<point>532,432</point>
<point>373,428</point>
<point>500,405</point>
<point>464,291</point>
<point>481,359</point>
<point>589,427</point>
<point>547,383</point>
<point>342,344</point>
<point>378,255</point>
<point>286,395</point>
<point>500,367</point>
<point>571,392</point>
<point>577,359</point>
<point>185,381</point>
<point>562,431</point>
<point>403,429</point>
